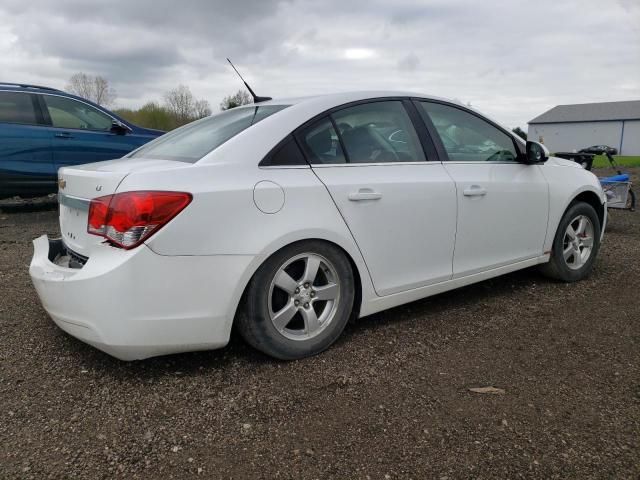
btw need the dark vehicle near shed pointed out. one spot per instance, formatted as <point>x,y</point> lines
<point>600,150</point>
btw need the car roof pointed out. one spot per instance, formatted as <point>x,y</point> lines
<point>258,140</point>
<point>317,104</point>
<point>340,98</point>
<point>25,87</point>
<point>21,87</point>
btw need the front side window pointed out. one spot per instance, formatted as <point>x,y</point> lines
<point>69,113</point>
<point>468,138</point>
<point>193,141</point>
<point>378,132</point>
<point>17,108</point>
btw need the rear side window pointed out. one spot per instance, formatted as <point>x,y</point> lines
<point>286,155</point>
<point>69,113</point>
<point>378,132</point>
<point>193,141</point>
<point>322,143</point>
<point>17,107</point>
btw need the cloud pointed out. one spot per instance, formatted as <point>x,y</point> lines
<point>359,53</point>
<point>510,59</point>
<point>409,62</point>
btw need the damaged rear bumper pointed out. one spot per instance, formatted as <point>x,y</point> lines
<point>134,304</point>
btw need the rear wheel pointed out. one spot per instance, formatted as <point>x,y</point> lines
<point>576,244</point>
<point>299,301</point>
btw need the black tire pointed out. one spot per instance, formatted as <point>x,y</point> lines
<point>254,320</point>
<point>559,268</point>
<point>631,201</point>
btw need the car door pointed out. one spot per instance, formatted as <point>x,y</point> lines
<point>81,133</point>
<point>399,204</point>
<point>503,205</point>
<point>26,164</point>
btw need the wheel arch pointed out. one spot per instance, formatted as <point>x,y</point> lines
<point>585,195</point>
<point>557,268</point>
<point>592,198</point>
<point>360,273</point>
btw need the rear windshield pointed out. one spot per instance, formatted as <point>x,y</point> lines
<point>193,141</point>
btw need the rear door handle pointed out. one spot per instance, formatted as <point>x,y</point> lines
<point>63,135</point>
<point>474,191</point>
<point>364,194</point>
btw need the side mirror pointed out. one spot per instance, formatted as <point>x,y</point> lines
<point>119,127</point>
<point>536,153</point>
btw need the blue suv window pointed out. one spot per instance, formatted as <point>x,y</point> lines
<point>69,113</point>
<point>17,107</point>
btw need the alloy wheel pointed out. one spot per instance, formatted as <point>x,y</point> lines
<point>304,296</point>
<point>577,243</point>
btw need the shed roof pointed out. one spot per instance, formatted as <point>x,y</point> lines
<point>591,112</point>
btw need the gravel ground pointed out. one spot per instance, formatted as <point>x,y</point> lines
<point>390,400</point>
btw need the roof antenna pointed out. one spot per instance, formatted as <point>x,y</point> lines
<point>256,98</point>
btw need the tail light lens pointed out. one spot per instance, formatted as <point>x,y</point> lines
<point>127,219</point>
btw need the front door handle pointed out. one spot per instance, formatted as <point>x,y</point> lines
<point>63,135</point>
<point>474,191</point>
<point>364,194</point>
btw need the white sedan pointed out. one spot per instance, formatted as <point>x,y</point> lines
<point>287,218</point>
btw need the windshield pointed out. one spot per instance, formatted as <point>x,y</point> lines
<point>193,141</point>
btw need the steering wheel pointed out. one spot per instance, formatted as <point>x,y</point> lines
<point>386,152</point>
<point>500,155</point>
<point>383,156</point>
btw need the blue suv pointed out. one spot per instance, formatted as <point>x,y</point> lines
<point>43,129</point>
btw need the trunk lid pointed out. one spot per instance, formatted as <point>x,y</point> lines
<point>78,185</point>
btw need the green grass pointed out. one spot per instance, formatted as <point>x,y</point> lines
<point>600,161</point>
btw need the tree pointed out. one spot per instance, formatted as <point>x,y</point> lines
<point>521,133</point>
<point>92,87</point>
<point>180,103</point>
<point>150,115</point>
<point>241,97</point>
<point>202,108</point>
<point>154,115</point>
<point>180,107</point>
<point>184,107</point>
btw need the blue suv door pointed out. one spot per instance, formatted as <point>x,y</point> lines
<point>80,133</point>
<point>26,162</point>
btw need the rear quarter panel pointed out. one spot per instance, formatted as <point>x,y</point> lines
<point>223,218</point>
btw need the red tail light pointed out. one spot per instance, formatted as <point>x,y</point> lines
<point>127,219</point>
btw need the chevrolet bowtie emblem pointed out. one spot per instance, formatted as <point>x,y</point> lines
<point>62,183</point>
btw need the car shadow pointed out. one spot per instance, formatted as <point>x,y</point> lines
<point>453,300</point>
<point>19,205</point>
<point>238,354</point>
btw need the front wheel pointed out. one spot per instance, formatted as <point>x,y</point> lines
<point>299,301</point>
<point>575,245</point>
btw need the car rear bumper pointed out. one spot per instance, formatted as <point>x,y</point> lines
<point>136,304</point>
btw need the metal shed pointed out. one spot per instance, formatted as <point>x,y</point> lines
<point>572,127</point>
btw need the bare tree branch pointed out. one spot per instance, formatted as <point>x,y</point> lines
<point>94,88</point>
<point>184,107</point>
<point>202,108</point>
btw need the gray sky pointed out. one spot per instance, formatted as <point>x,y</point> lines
<point>511,59</point>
